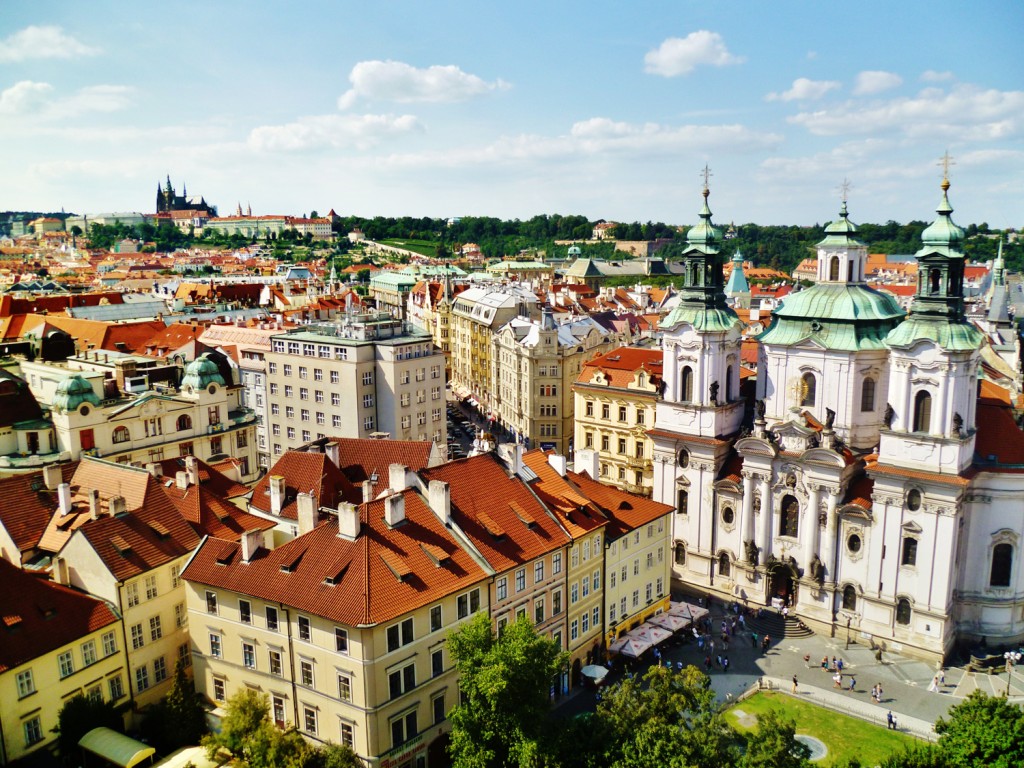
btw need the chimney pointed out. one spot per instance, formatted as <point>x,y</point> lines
<point>251,541</point>
<point>192,468</point>
<point>333,453</point>
<point>117,506</point>
<point>367,491</point>
<point>94,504</point>
<point>307,510</point>
<point>396,478</point>
<point>348,521</point>
<point>439,496</point>
<point>517,458</point>
<point>394,508</point>
<point>181,479</point>
<point>557,461</point>
<point>64,498</point>
<point>586,461</point>
<point>276,494</point>
<point>154,469</point>
<point>52,476</point>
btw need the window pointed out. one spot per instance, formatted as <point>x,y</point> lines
<point>318,375</point>
<point>574,629</point>
<point>909,551</point>
<point>249,655</point>
<point>272,619</point>
<point>131,594</point>
<point>121,435</point>
<point>622,413</point>
<point>636,598</point>
<point>723,564</point>
<point>538,572</point>
<point>402,680</point>
<point>275,663</point>
<point>245,612</point>
<point>520,580</point>
<point>215,645</point>
<point>437,707</point>
<point>556,602</point>
<point>309,720</point>
<point>605,411</point>
<point>574,593</point>
<point>585,623</point>
<point>335,377</point>
<point>340,640</point>
<point>435,618</point>
<point>1002,562</point>
<point>89,653</point>
<point>33,731</point>
<point>853,543</point>
<point>155,630</point>
<point>184,655</point>
<point>141,678</point>
<point>501,588</point>
<point>641,416</point>
<point>556,563</point>
<point>211,602</point>
<point>682,500</point>
<point>399,635</point>
<point>109,644</point>
<point>306,673</point>
<point>344,687</point>
<point>622,446</point>
<point>849,598</point>
<point>138,638</point>
<point>789,517</point>
<point>304,629</point>
<point>922,412</point>
<point>590,407</point>
<point>26,683</point>
<point>586,586</point>
<point>605,444</point>
<point>867,395</point>
<point>809,387</point>
<point>686,384</point>
<point>436,662</point>
<point>277,705</point>
<point>116,688</point>
<point>403,728</point>
<point>468,603</point>
<point>219,692</point>
<point>903,611</point>
<point>613,579</point>
<point>680,553</point>
<point>538,610</point>
<point>913,499</point>
<point>184,422</point>
<point>175,575</point>
<point>303,372</point>
<point>160,670</point>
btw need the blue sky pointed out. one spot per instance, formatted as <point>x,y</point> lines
<point>607,109</point>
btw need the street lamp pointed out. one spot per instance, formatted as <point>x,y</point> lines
<point>1012,657</point>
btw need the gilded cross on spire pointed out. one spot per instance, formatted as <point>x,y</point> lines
<point>844,189</point>
<point>706,173</point>
<point>945,161</point>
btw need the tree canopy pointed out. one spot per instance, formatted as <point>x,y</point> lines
<point>983,731</point>
<point>78,716</point>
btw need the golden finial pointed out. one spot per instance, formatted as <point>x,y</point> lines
<point>706,173</point>
<point>945,161</point>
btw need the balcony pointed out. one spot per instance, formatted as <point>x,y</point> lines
<point>639,462</point>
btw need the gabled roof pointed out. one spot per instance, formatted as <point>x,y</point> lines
<point>360,459</point>
<point>28,506</point>
<point>383,574</point>
<point>304,472</point>
<point>211,515</point>
<point>625,511</point>
<point>573,509</point>
<point>621,364</point>
<point>209,477</point>
<point>39,616</point>
<point>482,492</point>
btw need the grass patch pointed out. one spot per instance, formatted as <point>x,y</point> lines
<point>422,247</point>
<point>844,736</point>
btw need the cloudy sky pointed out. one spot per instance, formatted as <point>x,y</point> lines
<point>511,109</point>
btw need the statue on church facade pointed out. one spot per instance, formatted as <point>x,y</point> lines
<point>753,551</point>
<point>888,416</point>
<point>713,392</point>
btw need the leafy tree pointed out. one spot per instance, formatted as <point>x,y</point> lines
<point>928,756</point>
<point>77,717</point>
<point>179,719</point>
<point>773,745</point>
<point>504,682</point>
<point>983,731</point>
<point>246,712</point>
<point>332,756</point>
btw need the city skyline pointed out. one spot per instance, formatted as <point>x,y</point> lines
<point>453,109</point>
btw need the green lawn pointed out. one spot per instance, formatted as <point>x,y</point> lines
<point>423,247</point>
<point>843,735</point>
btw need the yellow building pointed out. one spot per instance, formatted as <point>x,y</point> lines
<point>344,627</point>
<point>615,397</point>
<point>55,643</point>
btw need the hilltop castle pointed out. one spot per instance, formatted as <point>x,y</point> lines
<point>167,200</point>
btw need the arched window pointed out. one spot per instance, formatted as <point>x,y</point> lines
<point>184,422</point>
<point>789,517</point>
<point>686,384</point>
<point>723,564</point>
<point>849,272</point>
<point>903,611</point>
<point>121,435</point>
<point>867,395</point>
<point>1002,560</point>
<point>809,389</point>
<point>909,553</point>
<point>934,280</point>
<point>922,412</point>
<point>849,598</point>
<point>684,458</point>
<point>682,499</point>
<point>833,268</point>
<point>680,553</point>
<point>730,395</point>
<point>913,499</point>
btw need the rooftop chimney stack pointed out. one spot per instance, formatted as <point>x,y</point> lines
<point>517,458</point>
<point>557,462</point>
<point>192,468</point>
<point>307,511</point>
<point>348,521</point>
<point>439,496</point>
<point>396,478</point>
<point>367,491</point>
<point>181,479</point>
<point>586,461</point>
<point>64,498</point>
<point>52,476</point>
<point>394,508</point>
<point>154,469</point>
<point>117,506</point>
<point>333,452</point>
<point>276,494</point>
<point>251,541</point>
<point>94,504</point>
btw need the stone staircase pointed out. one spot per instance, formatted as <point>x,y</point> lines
<point>772,624</point>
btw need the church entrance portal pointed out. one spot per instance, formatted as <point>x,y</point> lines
<point>782,584</point>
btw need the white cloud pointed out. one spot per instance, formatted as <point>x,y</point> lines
<point>875,81</point>
<point>931,76</point>
<point>805,90</point>
<point>331,131</point>
<point>681,55</point>
<point>47,42</point>
<point>963,113</point>
<point>24,98</point>
<point>94,98</point>
<point>399,82</point>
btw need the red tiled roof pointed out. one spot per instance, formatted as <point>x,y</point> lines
<point>304,472</point>
<point>998,435</point>
<point>211,515</point>
<point>625,511</point>
<point>28,506</point>
<point>360,459</point>
<point>39,616</point>
<point>575,510</point>
<point>859,492</point>
<point>732,468</point>
<point>619,365</point>
<point>481,485</point>
<point>209,477</point>
<point>367,589</point>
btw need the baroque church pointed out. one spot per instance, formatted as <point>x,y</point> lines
<point>874,484</point>
<point>168,200</point>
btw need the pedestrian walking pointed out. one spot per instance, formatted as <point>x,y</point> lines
<point>839,666</point>
<point>700,642</point>
<point>837,681</point>
<point>753,639</point>
<point>794,683</point>
<point>942,677</point>
<point>890,721</point>
<point>718,660</point>
<point>853,683</point>
<point>879,693</point>
<point>834,668</point>
<point>765,642</point>
<point>874,694</point>
<point>725,663</point>
<point>824,663</point>
<point>707,663</point>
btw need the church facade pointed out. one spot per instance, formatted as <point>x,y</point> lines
<point>167,200</point>
<point>873,484</point>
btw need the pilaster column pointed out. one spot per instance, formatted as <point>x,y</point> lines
<point>810,531</point>
<point>747,529</point>
<point>828,544</point>
<point>767,517</point>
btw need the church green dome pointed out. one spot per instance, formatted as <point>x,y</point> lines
<point>72,392</point>
<point>942,235</point>
<point>842,232</point>
<point>200,373</point>
<point>574,250</point>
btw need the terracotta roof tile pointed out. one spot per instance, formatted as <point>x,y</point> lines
<point>619,366</point>
<point>28,506</point>
<point>305,472</point>
<point>625,511</point>
<point>575,510</point>
<point>360,459</point>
